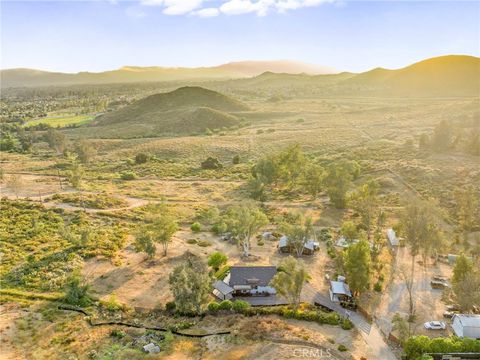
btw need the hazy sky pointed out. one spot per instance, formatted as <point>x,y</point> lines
<point>75,36</point>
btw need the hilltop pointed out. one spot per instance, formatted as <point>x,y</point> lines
<point>452,75</point>
<point>186,110</point>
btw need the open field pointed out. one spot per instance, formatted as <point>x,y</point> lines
<point>62,120</point>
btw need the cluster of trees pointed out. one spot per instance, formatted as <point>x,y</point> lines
<point>290,170</point>
<point>158,228</point>
<point>447,137</point>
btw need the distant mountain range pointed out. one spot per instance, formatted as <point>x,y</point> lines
<point>452,75</point>
<point>241,69</point>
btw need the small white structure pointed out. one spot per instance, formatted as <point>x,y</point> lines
<point>466,325</point>
<point>344,243</point>
<point>339,291</point>
<point>222,290</point>
<point>392,238</point>
<point>151,348</point>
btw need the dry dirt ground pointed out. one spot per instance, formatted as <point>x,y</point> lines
<point>428,304</point>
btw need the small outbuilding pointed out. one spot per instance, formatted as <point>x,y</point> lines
<point>393,240</point>
<point>466,325</point>
<point>339,291</point>
<point>308,249</point>
<point>222,291</point>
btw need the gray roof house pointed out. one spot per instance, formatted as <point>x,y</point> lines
<point>339,291</point>
<point>251,283</point>
<point>466,325</point>
<point>309,248</point>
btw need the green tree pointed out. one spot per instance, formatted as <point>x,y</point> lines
<point>313,181</point>
<point>349,230</point>
<point>467,207</point>
<point>467,291</point>
<point>217,259</point>
<point>463,267</point>
<point>78,292</point>
<point>75,173</point>
<point>338,181</point>
<point>289,280</point>
<point>365,202</point>
<point>358,266</point>
<point>160,225</point>
<point>298,231</point>
<point>141,158</point>
<point>85,151</point>
<point>56,140</point>
<point>191,285</point>
<point>442,136</point>
<point>401,326</point>
<point>243,222</point>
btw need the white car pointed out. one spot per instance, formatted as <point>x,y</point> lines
<point>435,325</point>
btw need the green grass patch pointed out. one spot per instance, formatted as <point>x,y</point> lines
<point>62,121</point>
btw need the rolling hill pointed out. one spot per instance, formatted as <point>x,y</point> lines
<point>453,75</point>
<point>186,110</point>
<point>240,69</point>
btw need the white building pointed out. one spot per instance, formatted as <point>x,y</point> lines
<point>466,325</point>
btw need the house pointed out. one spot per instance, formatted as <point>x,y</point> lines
<point>466,325</point>
<point>308,249</point>
<point>339,291</point>
<point>393,240</point>
<point>246,281</point>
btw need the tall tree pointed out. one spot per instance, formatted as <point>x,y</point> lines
<point>442,136</point>
<point>313,179</point>
<point>76,172</point>
<point>298,231</point>
<point>338,180</point>
<point>407,277</point>
<point>467,207</point>
<point>85,151</point>
<point>243,222</point>
<point>191,285</point>
<point>467,291</point>
<point>289,280</point>
<point>463,267</point>
<point>56,140</point>
<point>358,266</point>
<point>365,203</point>
<point>160,225</point>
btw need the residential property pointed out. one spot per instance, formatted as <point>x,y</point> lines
<point>246,281</point>
<point>339,291</point>
<point>309,248</point>
<point>466,325</point>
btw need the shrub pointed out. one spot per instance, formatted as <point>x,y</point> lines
<point>217,259</point>
<point>213,306</point>
<point>378,286</point>
<point>141,158</point>
<point>225,305</point>
<point>78,293</point>
<point>342,348</point>
<point>219,228</point>
<point>236,160</point>
<point>240,306</point>
<point>211,164</point>
<point>196,227</point>
<point>170,306</point>
<point>191,241</point>
<point>204,243</point>
<point>347,324</point>
<point>128,175</point>
<point>117,333</point>
<point>220,274</point>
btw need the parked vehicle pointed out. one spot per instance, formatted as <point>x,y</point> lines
<point>453,308</point>
<point>439,278</point>
<point>436,284</point>
<point>435,325</point>
<point>449,313</point>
